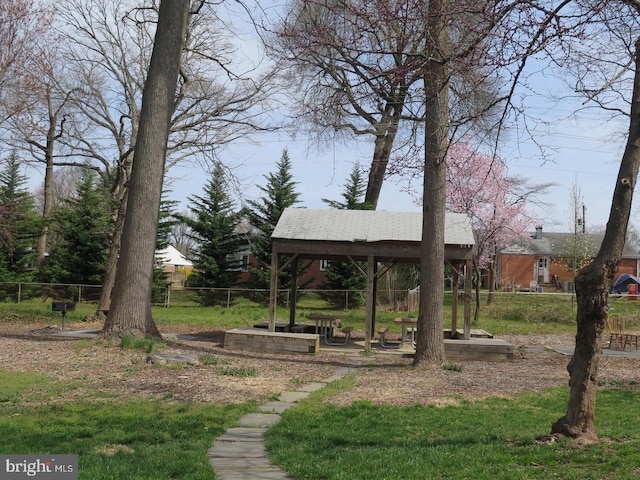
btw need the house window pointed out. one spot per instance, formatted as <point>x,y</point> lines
<point>324,264</point>
<point>240,260</point>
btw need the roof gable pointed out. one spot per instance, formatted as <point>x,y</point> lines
<point>556,244</point>
<point>172,256</point>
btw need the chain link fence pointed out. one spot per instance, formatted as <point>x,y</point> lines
<point>392,300</point>
<point>166,296</point>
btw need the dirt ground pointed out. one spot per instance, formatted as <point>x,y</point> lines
<point>91,369</point>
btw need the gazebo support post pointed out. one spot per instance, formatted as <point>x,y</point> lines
<point>468,286</point>
<point>293,298</point>
<point>273,290</point>
<point>370,303</point>
<point>454,300</point>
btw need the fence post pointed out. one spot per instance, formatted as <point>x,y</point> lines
<point>19,291</point>
<point>228,297</point>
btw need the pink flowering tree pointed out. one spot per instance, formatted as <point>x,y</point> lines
<point>478,185</point>
<point>23,27</point>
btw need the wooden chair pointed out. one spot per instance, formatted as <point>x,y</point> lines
<point>618,338</point>
<point>616,332</point>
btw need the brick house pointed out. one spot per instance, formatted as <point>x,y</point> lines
<point>542,260</point>
<point>313,276</point>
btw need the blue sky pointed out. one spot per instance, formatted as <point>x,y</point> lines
<point>585,151</point>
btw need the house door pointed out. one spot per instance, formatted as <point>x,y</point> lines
<point>543,270</point>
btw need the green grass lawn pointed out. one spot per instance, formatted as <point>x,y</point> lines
<point>489,439</point>
<point>509,313</point>
<point>125,440</point>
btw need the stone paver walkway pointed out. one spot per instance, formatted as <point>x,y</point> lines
<point>240,454</point>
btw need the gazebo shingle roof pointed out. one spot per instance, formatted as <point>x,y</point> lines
<point>365,226</point>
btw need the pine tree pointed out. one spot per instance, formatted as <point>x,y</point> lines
<point>353,194</point>
<point>19,224</point>
<point>345,275</point>
<point>263,215</point>
<point>166,221</point>
<point>83,225</point>
<point>213,226</point>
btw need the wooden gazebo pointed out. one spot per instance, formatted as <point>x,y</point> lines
<point>364,235</point>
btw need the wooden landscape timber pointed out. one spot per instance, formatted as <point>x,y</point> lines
<point>261,340</point>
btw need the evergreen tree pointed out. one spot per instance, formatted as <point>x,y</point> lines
<point>263,215</point>
<point>213,226</point>
<point>166,221</point>
<point>353,194</point>
<point>19,224</point>
<point>83,225</point>
<point>345,275</point>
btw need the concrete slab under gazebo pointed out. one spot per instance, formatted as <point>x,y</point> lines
<point>364,236</point>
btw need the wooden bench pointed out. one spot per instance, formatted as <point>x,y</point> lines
<point>260,340</point>
<point>384,343</point>
<point>334,341</point>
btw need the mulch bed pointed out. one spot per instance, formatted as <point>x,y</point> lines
<point>94,370</point>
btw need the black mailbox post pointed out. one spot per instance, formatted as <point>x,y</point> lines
<point>63,308</point>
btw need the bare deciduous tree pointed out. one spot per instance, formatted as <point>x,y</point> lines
<point>109,44</point>
<point>606,64</point>
<point>130,312</point>
<point>39,125</point>
<point>23,24</point>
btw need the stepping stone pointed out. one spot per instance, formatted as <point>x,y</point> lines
<point>312,387</point>
<point>253,474</point>
<point>276,407</point>
<point>293,397</point>
<point>172,358</point>
<point>342,371</point>
<point>220,463</point>
<point>242,434</point>
<point>259,420</point>
<point>237,450</point>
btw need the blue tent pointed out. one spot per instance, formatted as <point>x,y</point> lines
<point>621,283</point>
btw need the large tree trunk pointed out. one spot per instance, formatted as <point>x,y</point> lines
<point>47,207</point>
<point>120,193</point>
<point>430,340</point>
<point>114,253</point>
<point>130,311</point>
<point>592,289</point>
<point>387,131</point>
